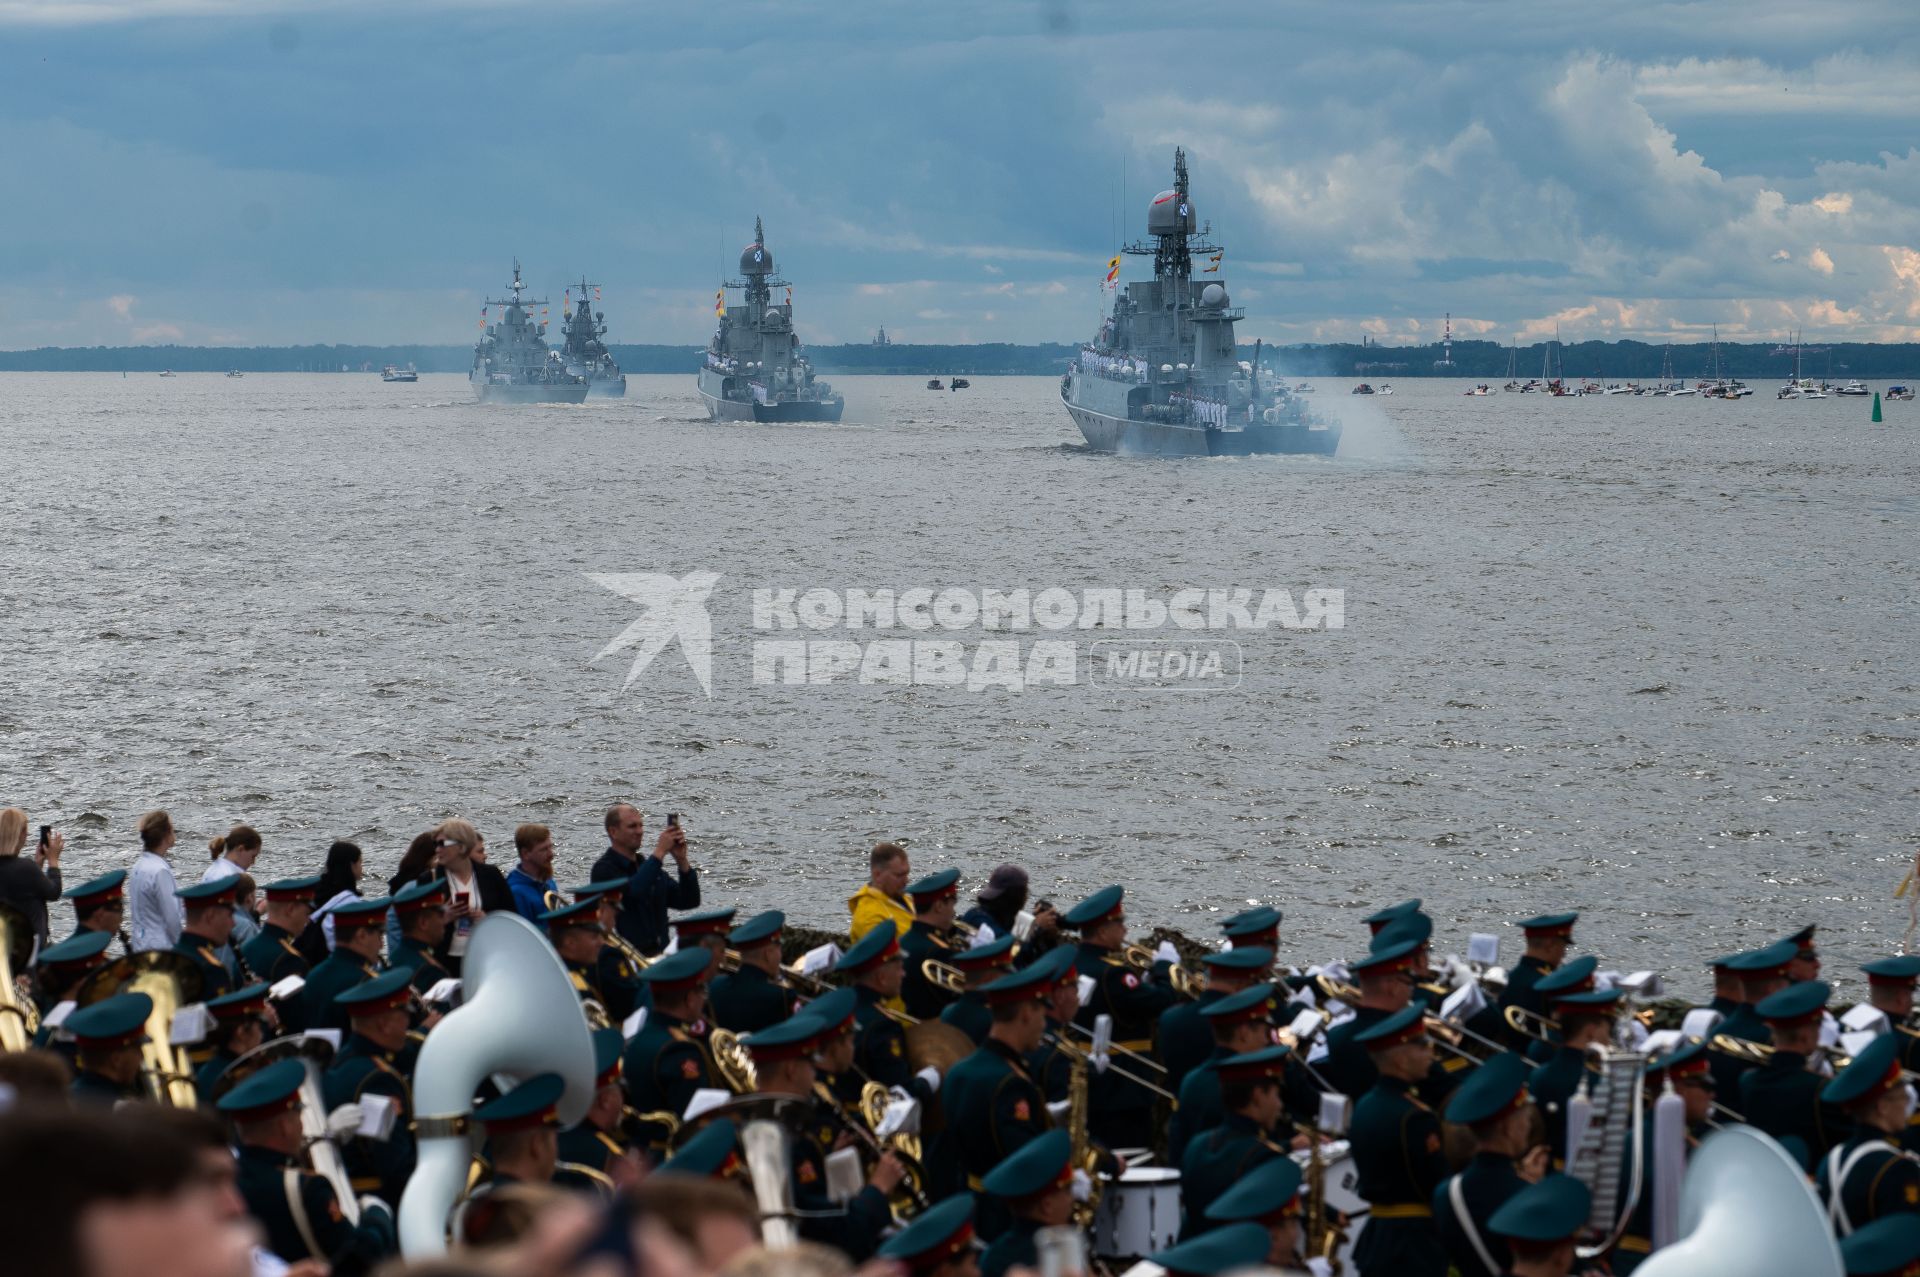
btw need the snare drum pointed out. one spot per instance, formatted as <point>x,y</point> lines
<point>1139,1214</point>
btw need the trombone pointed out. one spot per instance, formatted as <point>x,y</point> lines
<point>1074,1051</point>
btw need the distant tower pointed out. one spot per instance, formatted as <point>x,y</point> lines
<point>1446,345</point>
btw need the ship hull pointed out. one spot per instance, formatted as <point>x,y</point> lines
<point>607,387</point>
<point>1129,438</point>
<point>513,392</point>
<point>780,410</point>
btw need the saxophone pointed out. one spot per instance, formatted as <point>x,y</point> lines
<point>1322,1238</point>
<point>1083,1156</point>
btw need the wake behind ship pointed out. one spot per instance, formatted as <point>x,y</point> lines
<point>754,370</point>
<point>511,363</point>
<point>1163,378</point>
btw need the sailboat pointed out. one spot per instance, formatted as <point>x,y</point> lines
<point>1669,388</point>
<point>1513,357</point>
<point>1800,387</point>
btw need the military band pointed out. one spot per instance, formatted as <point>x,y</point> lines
<point>1018,1084</point>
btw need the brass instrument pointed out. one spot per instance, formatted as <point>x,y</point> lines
<point>764,1148</point>
<point>1532,1024</point>
<point>1184,980</point>
<point>323,1155</point>
<point>948,979</point>
<point>1321,1236</point>
<point>19,1017</point>
<point>624,947</point>
<point>911,1197</point>
<point>1132,1056</point>
<point>171,981</point>
<point>733,1061</point>
<point>1741,1049</point>
<point>1084,1156</point>
<point>633,1124</point>
<point>1074,1051</point>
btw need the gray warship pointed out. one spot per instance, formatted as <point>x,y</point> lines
<point>582,351</point>
<point>512,364</point>
<point>754,370</point>
<point>1163,378</point>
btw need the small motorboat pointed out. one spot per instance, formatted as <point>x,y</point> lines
<point>1899,392</point>
<point>390,373</point>
<point>1304,388</point>
<point>166,372</point>
<point>958,383</point>
<point>1477,392</point>
<point>235,372</point>
<point>1363,389</point>
<point>1854,390</point>
<point>1385,389</point>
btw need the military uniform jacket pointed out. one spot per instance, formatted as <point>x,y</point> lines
<point>1013,1248</point>
<point>586,1152</point>
<point>993,1107</point>
<point>91,1090</point>
<point>1552,1085</point>
<point>1483,1188</point>
<point>880,1048</point>
<point>1199,1106</point>
<point>662,1068</point>
<point>1215,1161</point>
<point>428,970</point>
<point>585,980</point>
<point>969,1014</point>
<point>1783,1099</point>
<point>1348,1068</point>
<point>1398,1162</point>
<point>1050,1066</point>
<point>1519,993</point>
<point>302,1216</point>
<point>1121,1111</point>
<point>207,1076</point>
<point>271,955</point>
<point>924,998</point>
<point>340,972</point>
<point>1183,1037</point>
<point>748,1000</point>
<point>1876,1180</point>
<point>620,987</point>
<point>360,1069</point>
<point>215,980</point>
<point>855,1227</point>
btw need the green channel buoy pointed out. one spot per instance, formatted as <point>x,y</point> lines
<point>1876,407</point>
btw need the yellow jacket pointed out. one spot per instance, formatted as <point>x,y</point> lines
<point>872,906</point>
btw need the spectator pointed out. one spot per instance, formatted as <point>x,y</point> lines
<point>339,885</point>
<point>474,888</point>
<point>246,915</point>
<point>27,885</point>
<point>415,866</point>
<point>233,854</point>
<point>884,896</point>
<point>1000,903</point>
<point>651,891</point>
<point>532,878</point>
<point>154,917</point>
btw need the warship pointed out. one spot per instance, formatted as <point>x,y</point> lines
<point>754,370</point>
<point>582,351</point>
<point>1163,378</point>
<point>512,364</point>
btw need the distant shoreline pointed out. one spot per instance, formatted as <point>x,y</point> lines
<point>1472,360</point>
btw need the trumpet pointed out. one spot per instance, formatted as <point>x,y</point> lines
<point>1184,981</point>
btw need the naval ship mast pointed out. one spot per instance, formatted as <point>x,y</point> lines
<point>1174,243</point>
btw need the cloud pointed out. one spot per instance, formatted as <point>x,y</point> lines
<point>158,334</point>
<point>1819,260</point>
<point>122,304</point>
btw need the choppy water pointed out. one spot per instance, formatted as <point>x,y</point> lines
<point>1650,659</point>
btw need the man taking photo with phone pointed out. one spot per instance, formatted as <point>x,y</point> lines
<point>651,890</point>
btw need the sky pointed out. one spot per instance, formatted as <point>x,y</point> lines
<point>277,171</point>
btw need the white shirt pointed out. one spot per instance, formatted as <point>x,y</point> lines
<point>221,868</point>
<point>468,891</point>
<point>154,914</point>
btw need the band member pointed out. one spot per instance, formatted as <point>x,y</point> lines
<point>837,1083</point>
<point>1050,1064</point>
<point>592,1154</point>
<point>665,1063</point>
<point>992,1104</point>
<point>1806,957</point>
<point>1397,1157</point>
<point>299,1210</point>
<point>422,913</point>
<point>1572,977</point>
<point>1540,1224</point>
<point>100,904</point>
<point>783,1065</point>
<point>876,971</point>
<point>108,1036</point>
<point>370,1062</point>
<point>1247,1135</point>
<point>1547,939</point>
<point>1868,1177</point>
<point>1181,1038</point>
<point>1890,991</point>
<point>1584,1020</point>
<point>979,967</point>
<point>239,1025</point>
<point>1380,919</point>
<point>1782,1097</point>
<point>1386,987</point>
<point>753,997</point>
<point>1763,973</point>
<point>938,1243</point>
<point>713,1153</point>
<point>359,930</point>
<point>1122,1111</point>
<point>208,927</point>
<point>1492,1103</point>
<point>1236,1025</point>
<point>1221,1250</point>
<point>929,938</point>
<point>1035,1186</point>
<point>1729,990</point>
<point>1270,1197</point>
<point>1885,1248</point>
<point>62,967</point>
<point>707,930</point>
<point>272,955</point>
<point>1686,1069</point>
<point>576,935</point>
<point>523,1141</point>
<point>619,974</point>
<point>1256,928</point>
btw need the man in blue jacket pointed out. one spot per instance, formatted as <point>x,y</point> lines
<point>651,890</point>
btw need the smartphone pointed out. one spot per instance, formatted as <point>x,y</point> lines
<point>46,834</point>
<point>673,820</point>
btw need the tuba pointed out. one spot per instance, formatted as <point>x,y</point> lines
<point>1745,1208</point>
<point>519,1017</point>
<point>19,1018</point>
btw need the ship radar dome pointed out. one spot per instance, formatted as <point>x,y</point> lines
<point>1213,295</point>
<point>756,260</point>
<point>1171,213</point>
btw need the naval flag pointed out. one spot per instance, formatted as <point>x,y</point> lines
<point>720,302</point>
<point>1113,271</point>
<point>1215,259</point>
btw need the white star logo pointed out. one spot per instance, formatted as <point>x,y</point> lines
<point>671,607</point>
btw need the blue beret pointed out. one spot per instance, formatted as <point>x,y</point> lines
<point>982,954</point>
<point>1252,922</point>
<point>871,948</point>
<point>683,967</point>
<point>706,1153</point>
<point>1795,1002</point>
<point>1773,957</point>
<point>1402,1026</point>
<point>1271,1189</point>
<point>212,891</point>
<point>391,987</point>
<point>1097,907</point>
<point>266,1092</point>
<point>934,1236</point>
<point>1579,971</point>
<point>78,947</point>
<point>1903,969</point>
<point>1874,1070</point>
<point>1392,913</point>
<point>1250,957</point>
<point>583,913</point>
<point>1416,927</point>
<point>1553,1210</point>
<point>934,883</point>
<point>786,1040</point>
<point>1388,957</point>
<point>106,885</point>
<point>595,890</point>
<point>834,1008</point>
<point>532,1103</point>
<point>1219,1250</point>
<point>1041,1163</point>
<point>1489,1090</point>
<point>108,1021</point>
<point>1886,1245</point>
<point>1250,1003</point>
<point>757,929</point>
